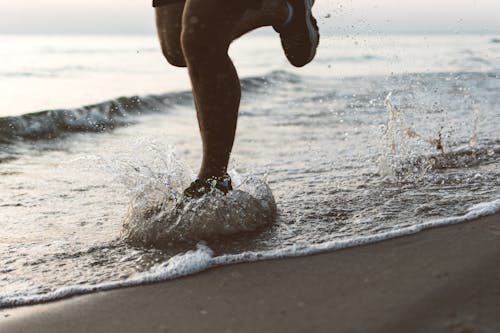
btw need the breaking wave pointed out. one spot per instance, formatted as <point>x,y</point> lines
<point>111,114</point>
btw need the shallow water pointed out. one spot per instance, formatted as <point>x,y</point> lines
<point>347,155</point>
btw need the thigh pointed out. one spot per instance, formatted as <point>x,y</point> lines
<point>169,28</point>
<point>212,21</point>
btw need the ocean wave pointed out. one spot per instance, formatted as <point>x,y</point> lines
<point>203,258</point>
<point>258,83</point>
<point>110,114</point>
<point>92,118</point>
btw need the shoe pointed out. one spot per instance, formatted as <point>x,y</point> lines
<point>200,187</point>
<point>300,34</point>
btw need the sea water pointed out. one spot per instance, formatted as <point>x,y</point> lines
<point>380,136</point>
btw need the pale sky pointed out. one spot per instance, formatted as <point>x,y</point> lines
<point>362,16</point>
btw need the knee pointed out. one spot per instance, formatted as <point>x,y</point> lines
<point>174,58</point>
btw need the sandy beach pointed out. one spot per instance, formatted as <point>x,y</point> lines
<point>439,280</point>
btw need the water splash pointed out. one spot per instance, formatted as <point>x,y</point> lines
<point>160,216</point>
<point>473,142</point>
<point>165,218</point>
<point>402,159</point>
<point>396,137</point>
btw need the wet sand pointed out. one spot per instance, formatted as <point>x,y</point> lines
<point>440,280</point>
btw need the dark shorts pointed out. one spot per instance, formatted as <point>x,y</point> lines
<point>251,3</point>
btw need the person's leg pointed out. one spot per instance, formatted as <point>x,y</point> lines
<point>209,27</point>
<point>169,27</point>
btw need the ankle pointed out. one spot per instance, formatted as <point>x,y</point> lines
<point>211,174</point>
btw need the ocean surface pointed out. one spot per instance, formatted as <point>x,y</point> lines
<point>381,136</point>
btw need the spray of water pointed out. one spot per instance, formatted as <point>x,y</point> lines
<point>160,216</point>
<point>402,161</point>
<point>166,218</point>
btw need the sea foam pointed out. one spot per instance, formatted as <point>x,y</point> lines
<point>202,258</point>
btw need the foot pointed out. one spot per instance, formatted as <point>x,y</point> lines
<point>200,187</point>
<point>299,34</point>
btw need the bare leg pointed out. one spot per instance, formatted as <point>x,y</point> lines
<point>209,27</point>
<point>169,27</point>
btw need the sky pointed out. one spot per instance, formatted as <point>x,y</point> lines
<point>362,16</point>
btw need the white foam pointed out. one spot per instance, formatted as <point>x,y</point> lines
<point>203,258</point>
<point>180,265</point>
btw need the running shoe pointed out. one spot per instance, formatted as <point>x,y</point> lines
<point>200,187</point>
<point>300,34</point>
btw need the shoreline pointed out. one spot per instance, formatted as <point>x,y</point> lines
<point>440,279</point>
<point>202,258</point>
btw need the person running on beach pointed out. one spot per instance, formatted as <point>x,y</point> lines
<point>197,34</point>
